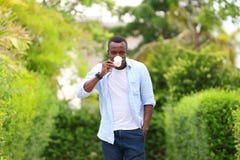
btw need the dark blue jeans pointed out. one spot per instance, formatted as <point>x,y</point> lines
<point>128,145</point>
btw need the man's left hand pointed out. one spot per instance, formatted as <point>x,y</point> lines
<point>145,131</point>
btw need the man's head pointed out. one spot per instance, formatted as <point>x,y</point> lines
<point>117,46</point>
<point>117,39</point>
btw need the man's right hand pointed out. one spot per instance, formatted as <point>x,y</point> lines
<point>106,66</point>
<point>90,84</point>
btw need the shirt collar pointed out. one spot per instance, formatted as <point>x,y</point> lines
<point>129,62</point>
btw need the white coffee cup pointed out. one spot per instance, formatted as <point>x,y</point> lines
<point>117,61</point>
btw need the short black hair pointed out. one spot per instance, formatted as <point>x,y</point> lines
<point>117,39</point>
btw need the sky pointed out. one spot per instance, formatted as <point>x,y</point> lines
<point>104,15</point>
<point>107,18</point>
<point>128,2</point>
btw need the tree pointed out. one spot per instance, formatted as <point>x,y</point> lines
<point>70,7</point>
<point>51,43</point>
<point>178,71</point>
<point>150,20</point>
<point>168,18</point>
<point>201,18</point>
<point>37,41</point>
<point>14,38</point>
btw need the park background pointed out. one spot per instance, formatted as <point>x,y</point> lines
<point>191,48</point>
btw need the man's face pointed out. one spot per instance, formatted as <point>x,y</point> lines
<point>117,49</point>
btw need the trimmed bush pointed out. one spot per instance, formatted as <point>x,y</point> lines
<point>47,108</point>
<point>75,136</point>
<point>200,71</point>
<point>203,126</point>
<point>155,147</point>
<point>236,118</point>
<point>26,110</point>
<point>177,71</point>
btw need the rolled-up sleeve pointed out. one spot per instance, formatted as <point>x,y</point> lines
<point>81,93</point>
<point>146,88</point>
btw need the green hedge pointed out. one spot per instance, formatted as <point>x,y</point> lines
<point>204,126</point>
<point>47,108</point>
<point>200,71</point>
<point>179,71</point>
<point>26,110</point>
<point>155,147</point>
<point>236,117</point>
<point>75,136</point>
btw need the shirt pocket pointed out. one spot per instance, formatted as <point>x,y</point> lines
<point>135,87</point>
<point>135,96</point>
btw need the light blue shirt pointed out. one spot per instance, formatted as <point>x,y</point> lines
<point>140,94</point>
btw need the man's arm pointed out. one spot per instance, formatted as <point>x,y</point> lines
<point>90,84</point>
<point>147,97</point>
<point>148,110</point>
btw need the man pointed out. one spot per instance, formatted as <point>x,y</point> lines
<point>126,102</point>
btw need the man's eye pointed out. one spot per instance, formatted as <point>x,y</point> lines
<point>120,53</point>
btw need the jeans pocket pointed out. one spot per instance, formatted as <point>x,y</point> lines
<point>141,132</point>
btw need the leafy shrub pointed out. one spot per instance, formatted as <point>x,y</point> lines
<point>14,39</point>
<point>75,135</point>
<point>26,108</point>
<point>177,71</point>
<point>202,126</point>
<point>199,71</point>
<point>58,40</point>
<point>236,130</point>
<point>155,142</point>
<point>47,108</point>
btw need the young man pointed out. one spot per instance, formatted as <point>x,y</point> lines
<point>126,102</point>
